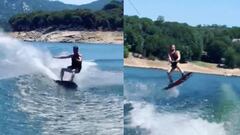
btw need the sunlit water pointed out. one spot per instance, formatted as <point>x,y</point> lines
<point>203,105</point>
<point>31,103</point>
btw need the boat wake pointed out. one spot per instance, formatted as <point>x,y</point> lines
<point>17,58</point>
<point>146,119</point>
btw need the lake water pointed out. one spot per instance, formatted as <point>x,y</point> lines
<point>31,103</point>
<point>203,105</point>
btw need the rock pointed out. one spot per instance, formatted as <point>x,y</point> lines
<point>48,35</point>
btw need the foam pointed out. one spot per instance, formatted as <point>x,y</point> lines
<point>17,58</point>
<point>145,116</point>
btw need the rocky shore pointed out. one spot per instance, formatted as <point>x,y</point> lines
<point>106,37</point>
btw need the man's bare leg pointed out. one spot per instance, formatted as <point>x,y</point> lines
<point>73,75</point>
<point>64,70</point>
<point>169,75</point>
<point>182,72</point>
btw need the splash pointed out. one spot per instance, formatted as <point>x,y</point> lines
<point>17,58</point>
<point>146,117</point>
<point>172,93</point>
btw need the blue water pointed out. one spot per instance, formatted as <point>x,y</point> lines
<point>203,105</point>
<point>107,56</point>
<point>89,51</point>
<point>31,103</point>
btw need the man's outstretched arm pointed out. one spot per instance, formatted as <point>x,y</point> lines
<point>63,57</point>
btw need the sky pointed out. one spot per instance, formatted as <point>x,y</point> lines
<point>192,12</point>
<point>76,2</point>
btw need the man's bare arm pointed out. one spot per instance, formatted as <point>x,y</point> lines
<point>80,58</point>
<point>179,56</point>
<point>169,58</point>
<point>63,57</point>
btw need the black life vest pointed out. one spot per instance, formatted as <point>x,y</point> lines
<point>174,55</point>
<point>75,61</point>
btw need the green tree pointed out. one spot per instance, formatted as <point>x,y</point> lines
<point>110,18</point>
<point>216,51</point>
<point>230,58</point>
<point>126,52</point>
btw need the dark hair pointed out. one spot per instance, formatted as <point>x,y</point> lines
<point>75,47</point>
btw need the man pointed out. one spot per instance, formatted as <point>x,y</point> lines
<point>174,57</point>
<point>76,63</point>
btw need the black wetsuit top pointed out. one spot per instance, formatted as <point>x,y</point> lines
<point>174,57</point>
<point>76,64</point>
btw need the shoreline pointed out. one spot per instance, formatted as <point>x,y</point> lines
<point>131,66</point>
<point>66,36</point>
<point>209,68</point>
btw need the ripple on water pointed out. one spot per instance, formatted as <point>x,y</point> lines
<point>61,111</point>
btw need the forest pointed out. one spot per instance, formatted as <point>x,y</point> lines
<point>110,18</point>
<point>210,43</point>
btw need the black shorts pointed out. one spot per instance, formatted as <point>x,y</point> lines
<point>174,65</point>
<point>77,69</point>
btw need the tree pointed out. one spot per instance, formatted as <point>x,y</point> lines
<point>126,52</point>
<point>230,58</point>
<point>216,51</point>
<point>152,39</point>
<point>160,19</point>
<point>108,19</point>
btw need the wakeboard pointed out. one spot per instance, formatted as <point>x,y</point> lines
<point>67,84</point>
<point>179,81</point>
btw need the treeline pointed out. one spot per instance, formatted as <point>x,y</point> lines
<point>109,18</point>
<point>212,43</point>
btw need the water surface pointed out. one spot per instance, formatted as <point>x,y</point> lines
<point>203,105</point>
<point>32,103</point>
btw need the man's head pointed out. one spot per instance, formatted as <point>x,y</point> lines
<point>75,49</point>
<point>172,47</point>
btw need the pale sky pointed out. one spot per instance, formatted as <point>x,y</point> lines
<point>76,2</point>
<point>193,12</point>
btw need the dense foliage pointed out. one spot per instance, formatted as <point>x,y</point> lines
<point>13,7</point>
<point>109,18</point>
<point>208,43</point>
